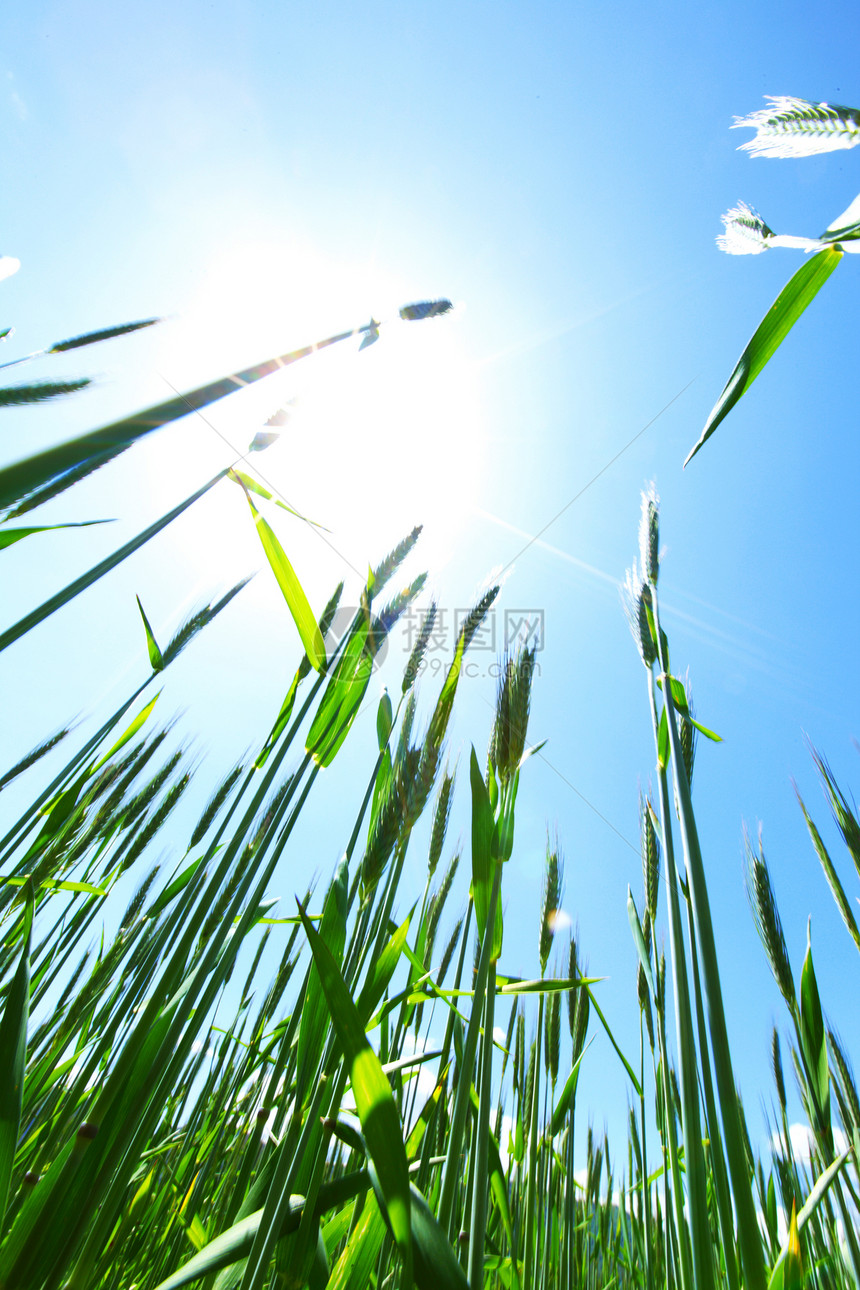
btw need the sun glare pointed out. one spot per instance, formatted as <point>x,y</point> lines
<point>369,442</point>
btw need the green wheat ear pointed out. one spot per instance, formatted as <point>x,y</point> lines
<point>767,921</point>
<point>549,905</point>
<point>793,127</point>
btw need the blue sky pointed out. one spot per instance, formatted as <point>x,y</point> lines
<point>264,175</point>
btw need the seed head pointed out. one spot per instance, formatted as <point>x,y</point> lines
<point>441,816</point>
<point>552,1036</point>
<point>549,905</point>
<point>416,658</point>
<point>425,309</point>
<point>530,1083</point>
<point>519,1051</point>
<point>661,985</point>
<point>214,805</point>
<point>744,231</point>
<point>578,1004</point>
<point>392,562</point>
<point>793,127</point>
<point>636,599</point>
<point>776,1062</point>
<point>845,1081</point>
<point>650,857</point>
<point>438,899</point>
<point>26,762</point>
<point>766,917</point>
<point>445,961</point>
<point>513,701</point>
<point>649,535</point>
<point>687,732</point>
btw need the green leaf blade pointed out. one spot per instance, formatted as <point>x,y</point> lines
<point>374,1102</point>
<point>155,656</point>
<point>293,592</point>
<point>342,698</point>
<point>795,296</point>
<point>13,1055</point>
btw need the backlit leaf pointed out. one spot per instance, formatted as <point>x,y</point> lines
<point>297,601</point>
<point>377,1113</point>
<point>155,656</point>
<point>13,1053</point>
<point>798,292</point>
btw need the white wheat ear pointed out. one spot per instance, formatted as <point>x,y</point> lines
<point>797,128</point>
<point>745,231</point>
<point>747,234</point>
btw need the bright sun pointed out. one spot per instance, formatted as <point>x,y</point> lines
<point>373,443</point>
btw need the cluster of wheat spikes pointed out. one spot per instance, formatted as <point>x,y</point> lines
<point>356,1120</point>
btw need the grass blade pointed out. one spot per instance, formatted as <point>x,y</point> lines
<point>235,1244</point>
<point>13,1053</point>
<point>313,1027</point>
<point>377,1113</point>
<point>10,535</point>
<point>342,698</point>
<point>252,485</point>
<point>155,656</point>
<point>297,601</point>
<point>31,620</point>
<point>770,333</point>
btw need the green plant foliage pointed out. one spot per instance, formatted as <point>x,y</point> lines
<point>196,1090</point>
<point>789,127</point>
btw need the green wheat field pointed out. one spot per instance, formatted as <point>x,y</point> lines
<point>288,1145</point>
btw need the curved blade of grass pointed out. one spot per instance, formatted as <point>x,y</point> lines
<point>836,888</point>
<point>484,862</point>
<point>57,884</point>
<point>567,1095</point>
<point>236,1243</point>
<point>499,1188</point>
<point>252,485</point>
<point>10,535</point>
<point>814,1043</point>
<point>377,1113</point>
<point>639,941</point>
<point>314,1022</point>
<point>542,985</point>
<point>283,719</point>
<point>436,1266</point>
<point>297,601</point>
<point>605,1024</point>
<point>155,655</point>
<point>354,1268</point>
<point>342,699</point>
<point>778,1278</point>
<point>13,1055</point>
<point>679,694</point>
<point>846,227</point>
<point>434,1261</point>
<point>128,734</point>
<point>770,333</point>
<point>384,967</point>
